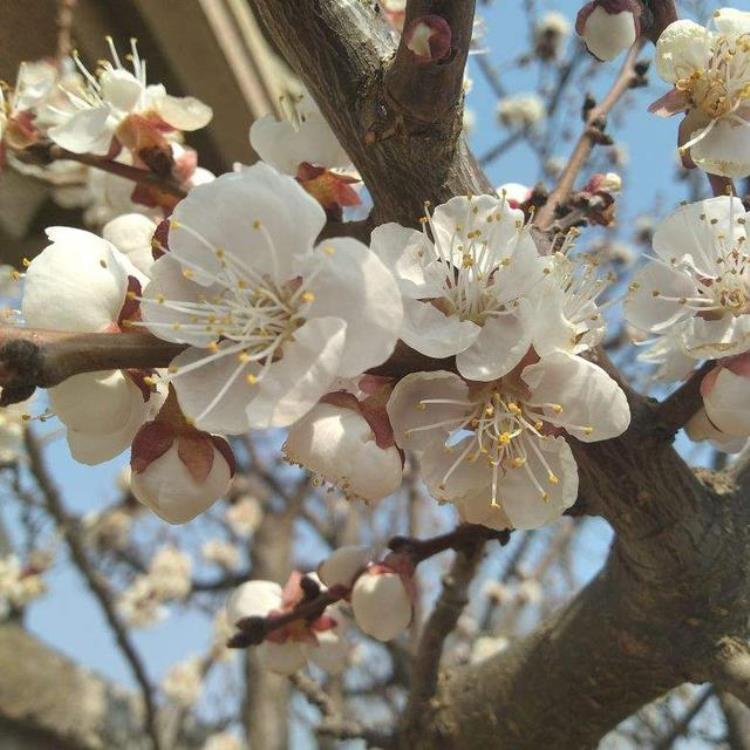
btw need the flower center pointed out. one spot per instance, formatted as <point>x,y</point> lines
<point>720,88</point>
<point>473,260</point>
<point>504,429</point>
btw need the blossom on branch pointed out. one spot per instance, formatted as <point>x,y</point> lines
<point>710,71</point>
<point>608,27</point>
<point>272,319</point>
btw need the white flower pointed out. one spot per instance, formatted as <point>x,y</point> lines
<point>140,605</point>
<point>344,565</point>
<point>305,137</point>
<point>183,682</point>
<point>131,234</point>
<point>710,71</point>
<point>492,450</point>
<point>382,605</point>
<point>667,353</point>
<point>515,193</point>
<point>272,320</point>
<point>463,288</point>
<point>244,516</point>
<point>18,584</point>
<point>609,26</point>
<point>521,111</point>
<point>80,283</point>
<point>169,573</point>
<point>179,472</point>
<point>698,285</point>
<point>566,314</point>
<point>117,94</point>
<point>550,31</point>
<point>339,444</point>
<point>220,552</point>
<point>287,649</point>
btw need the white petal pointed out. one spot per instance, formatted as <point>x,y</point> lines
<point>339,444</point>
<point>429,331</point>
<point>295,383</point>
<point>449,473</point>
<point>226,213</point>
<point>594,407</point>
<point>681,50</point>
<point>477,508</point>
<point>711,339</point>
<point>253,599</point>
<point>381,605</point>
<point>406,252</point>
<point>732,21</point>
<point>727,403</point>
<point>131,234</point>
<point>94,402</point>
<point>197,389</point>
<point>645,306</point>
<point>700,428</point>
<point>344,563</point>
<point>350,282</point>
<point>161,309</point>
<point>183,112</point>
<point>684,234</point>
<point>406,414</point>
<point>608,34</point>
<point>504,341</point>
<point>521,500</point>
<point>87,131</point>
<point>75,284</point>
<point>167,487</point>
<point>283,658</point>
<point>725,150</point>
<point>121,89</point>
<point>332,652</point>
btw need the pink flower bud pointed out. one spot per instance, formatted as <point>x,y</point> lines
<point>726,396</point>
<point>179,473</point>
<point>428,38</point>
<point>383,602</point>
<point>609,26</point>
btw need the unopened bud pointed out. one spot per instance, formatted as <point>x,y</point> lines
<point>428,38</point>
<point>381,603</point>
<point>609,26</point>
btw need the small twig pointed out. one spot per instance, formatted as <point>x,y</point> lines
<point>595,119</point>
<point>67,525</point>
<point>333,723</point>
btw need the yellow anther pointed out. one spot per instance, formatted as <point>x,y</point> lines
<point>214,346</point>
<point>187,273</point>
<point>545,496</point>
<point>514,408</point>
<point>161,299</point>
<point>173,369</point>
<point>518,462</point>
<point>174,224</point>
<point>504,438</point>
<point>220,252</point>
<point>588,430</point>
<point>421,407</point>
<point>489,410</point>
<point>256,224</point>
<point>557,408</point>
<point>329,250</point>
<point>25,262</point>
<point>132,295</point>
<point>243,357</point>
<point>467,261</point>
<point>251,379</point>
<point>553,479</point>
<point>308,297</point>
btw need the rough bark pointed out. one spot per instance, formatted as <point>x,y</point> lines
<point>671,603</point>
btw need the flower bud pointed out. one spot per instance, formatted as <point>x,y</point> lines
<point>382,603</point>
<point>609,26</point>
<point>340,444</point>
<point>179,473</point>
<point>726,396</point>
<point>131,234</point>
<point>428,38</point>
<point>515,193</point>
<point>344,564</point>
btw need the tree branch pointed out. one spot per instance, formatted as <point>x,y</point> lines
<point>54,505</point>
<point>676,410</point>
<point>592,131</point>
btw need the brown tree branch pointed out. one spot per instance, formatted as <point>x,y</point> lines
<point>54,505</point>
<point>441,623</point>
<point>592,131</point>
<point>676,410</point>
